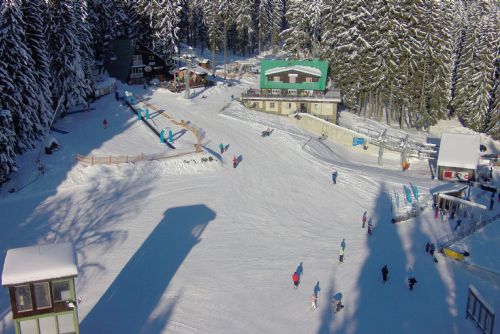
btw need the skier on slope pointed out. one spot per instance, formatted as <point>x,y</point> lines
<point>341,254</point>
<point>235,161</point>
<point>105,123</point>
<point>385,273</point>
<point>411,282</point>
<point>364,219</point>
<point>296,280</point>
<point>334,177</point>
<point>221,146</point>
<point>370,228</point>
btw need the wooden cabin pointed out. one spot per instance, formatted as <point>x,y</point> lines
<point>41,284</point>
<point>198,76</point>
<point>131,62</point>
<point>204,63</point>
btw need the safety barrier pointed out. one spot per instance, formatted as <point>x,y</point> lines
<point>121,159</point>
<point>453,254</point>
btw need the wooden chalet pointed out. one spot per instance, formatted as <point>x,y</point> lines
<point>131,62</point>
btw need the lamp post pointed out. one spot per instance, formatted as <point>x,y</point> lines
<point>188,58</point>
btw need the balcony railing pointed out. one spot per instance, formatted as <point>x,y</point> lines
<point>328,95</point>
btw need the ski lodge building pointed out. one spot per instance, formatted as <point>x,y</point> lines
<point>458,157</point>
<point>131,62</point>
<point>41,286</point>
<point>288,87</point>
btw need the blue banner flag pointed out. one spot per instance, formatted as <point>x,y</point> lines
<point>358,141</point>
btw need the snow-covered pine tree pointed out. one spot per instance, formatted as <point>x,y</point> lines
<point>7,140</point>
<point>277,23</point>
<point>167,28</point>
<point>476,72</point>
<point>298,36</point>
<point>69,85</point>
<point>243,21</point>
<point>36,42</point>
<point>85,44</point>
<point>146,21</point>
<point>102,22</point>
<point>211,20</point>
<point>132,24</point>
<point>264,25</point>
<point>19,87</point>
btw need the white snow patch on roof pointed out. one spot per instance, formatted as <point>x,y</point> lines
<point>459,150</point>
<point>298,68</point>
<point>38,263</point>
<point>197,70</point>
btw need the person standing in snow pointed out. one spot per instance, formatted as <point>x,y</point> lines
<point>432,248</point>
<point>105,123</point>
<point>364,219</point>
<point>385,273</point>
<point>370,227</point>
<point>427,247</point>
<point>235,161</point>
<point>492,202</point>
<point>296,280</point>
<point>334,177</point>
<point>221,146</point>
<point>411,282</point>
<point>341,254</point>
<point>314,301</point>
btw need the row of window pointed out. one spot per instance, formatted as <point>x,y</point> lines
<point>290,91</point>
<point>41,294</point>
<point>292,79</point>
<point>60,324</point>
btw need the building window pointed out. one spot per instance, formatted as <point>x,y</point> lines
<point>271,104</point>
<point>308,92</point>
<point>276,79</point>
<point>66,323</point>
<point>292,79</point>
<point>276,91</point>
<point>136,72</point>
<point>292,91</point>
<point>151,57</point>
<point>42,295</point>
<point>309,79</point>
<point>61,291</point>
<point>23,298</point>
<point>136,60</point>
<point>289,106</point>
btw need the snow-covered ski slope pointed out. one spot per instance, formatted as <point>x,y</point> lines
<point>176,247</point>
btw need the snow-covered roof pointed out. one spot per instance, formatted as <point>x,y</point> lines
<point>299,68</point>
<point>38,263</point>
<point>204,60</point>
<point>459,150</point>
<point>197,70</point>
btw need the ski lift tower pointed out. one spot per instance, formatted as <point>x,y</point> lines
<point>188,59</point>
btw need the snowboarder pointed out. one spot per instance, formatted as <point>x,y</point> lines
<point>411,282</point>
<point>385,272</point>
<point>235,161</point>
<point>370,227</point>
<point>314,301</point>
<point>341,254</point>
<point>364,219</point>
<point>221,146</point>
<point>105,123</point>
<point>334,177</point>
<point>296,280</point>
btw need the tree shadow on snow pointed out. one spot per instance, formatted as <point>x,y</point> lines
<point>129,303</point>
<point>391,307</point>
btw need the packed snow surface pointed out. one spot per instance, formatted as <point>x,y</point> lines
<point>192,245</point>
<point>37,263</point>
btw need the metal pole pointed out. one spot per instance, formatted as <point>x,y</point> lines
<point>187,75</point>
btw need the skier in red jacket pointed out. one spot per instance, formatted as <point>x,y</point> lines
<point>235,161</point>
<point>296,280</point>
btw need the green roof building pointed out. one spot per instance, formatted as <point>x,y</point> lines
<point>293,86</point>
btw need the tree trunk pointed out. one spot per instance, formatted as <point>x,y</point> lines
<point>225,50</point>
<point>401,115</point>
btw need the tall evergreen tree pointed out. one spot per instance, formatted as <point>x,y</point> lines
<point>167,28</point>
<point>36,42</point>
<point>69,83</point>
<point>17,81</point>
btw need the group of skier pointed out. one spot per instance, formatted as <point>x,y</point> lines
<point>223,148</point>
<point>385,276</point>
<point>337,302</point>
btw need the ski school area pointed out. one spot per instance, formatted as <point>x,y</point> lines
<point>299,235</point>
